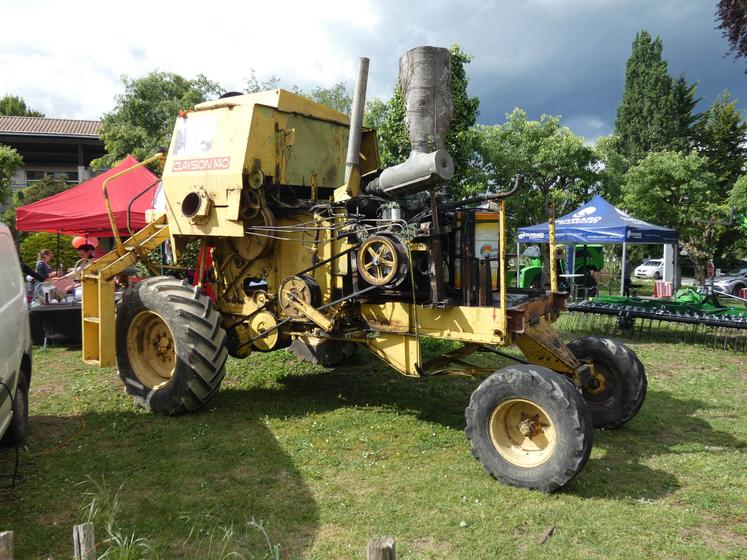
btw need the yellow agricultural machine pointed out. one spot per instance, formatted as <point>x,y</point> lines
<point>316,248</point>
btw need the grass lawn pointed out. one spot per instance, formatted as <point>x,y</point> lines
<point>326,459</point>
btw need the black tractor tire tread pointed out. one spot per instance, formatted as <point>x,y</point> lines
<point>571,417</point>
<point>200,345</point>
<point>633,382</point>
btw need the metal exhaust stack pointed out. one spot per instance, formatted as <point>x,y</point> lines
<point>352,160</point>
<point>425,81</point>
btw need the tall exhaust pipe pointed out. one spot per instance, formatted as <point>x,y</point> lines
<point>425,81</point>
<point>352,161</point>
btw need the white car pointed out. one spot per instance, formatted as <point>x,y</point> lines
<point>15,345</point>
<point>652,268</point>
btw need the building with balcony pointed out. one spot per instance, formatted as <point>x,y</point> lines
<point>62,148</point>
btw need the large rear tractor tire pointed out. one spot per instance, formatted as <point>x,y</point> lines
<point>171,351</point>
<point>529,427</point>
<point>618,389</point>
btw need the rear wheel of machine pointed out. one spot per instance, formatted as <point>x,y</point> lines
<point>529,427</point>
<point>618,389</point>
<point>171,350</point>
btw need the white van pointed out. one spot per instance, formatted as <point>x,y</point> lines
<point>15,344</point>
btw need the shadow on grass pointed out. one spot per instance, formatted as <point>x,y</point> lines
<point>226,463</point>
<point>665,425</point>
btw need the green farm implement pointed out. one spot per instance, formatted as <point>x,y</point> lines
<point>691,316</point>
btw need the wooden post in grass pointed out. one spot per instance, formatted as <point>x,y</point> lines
<point>6,545</point>
<point>381,548</point>
<point>84,542</point>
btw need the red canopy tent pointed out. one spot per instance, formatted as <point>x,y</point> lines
<point>81,209</point>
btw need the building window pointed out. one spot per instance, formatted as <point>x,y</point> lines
<point>70,177</point>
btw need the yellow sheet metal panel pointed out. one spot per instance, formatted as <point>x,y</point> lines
<point>207,154</point>
<point>541,344</point>
<point>466,324</point>
<point>399,351</point>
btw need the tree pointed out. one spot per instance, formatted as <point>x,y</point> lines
<point>460,140</point>
<point>10,160</point>
<point>733,17</point>
<point>722,138</point>
<point>738,197</point>
<point>684,110</point>
<point>14,106</point>
<point>336,97</point>
<point>647,118</point>
<point>394,142</point>
<point>678,191</point>
<point>559,168</point>
<point>143,118</point>
<point>255,85</point>
<point>48,186</point>
<point>613,166</point>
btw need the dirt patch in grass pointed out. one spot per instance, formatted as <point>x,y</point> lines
<point>429,547</point>
<point>719,539</point>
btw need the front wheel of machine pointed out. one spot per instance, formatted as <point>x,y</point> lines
<point>529,427</point>
<point>618,389</point>
<point>19,424</point>
<point>171,351</point>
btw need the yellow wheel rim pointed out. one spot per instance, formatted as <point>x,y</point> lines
<point>378,261</point>
<point>522,432</point>
<point>151,349</point>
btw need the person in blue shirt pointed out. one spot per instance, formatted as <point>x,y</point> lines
<point>43,270</point>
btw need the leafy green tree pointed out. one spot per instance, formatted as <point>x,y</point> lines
<point>143,118</point>
<point>394,143</point>
<point>678,190</point>
<point>647,118</point>
<point>560,170</point>
<point>738,196</point>
<point>255,85</point>
<point>29,249</point>
<point>336,97</point>
<point>558,166</point>
<point>613,166</point>
<point>14,106</point>
<point>10,160</point>
<point>48,186</point>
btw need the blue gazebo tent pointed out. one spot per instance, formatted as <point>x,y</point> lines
<point>598,221</point>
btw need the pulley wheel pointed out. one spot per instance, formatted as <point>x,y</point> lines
<point>301,287</point>
<point>257,243</point>
<point>381,261</point>
<point>262,322</point>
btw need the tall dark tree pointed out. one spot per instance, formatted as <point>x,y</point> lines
<point>722,135</point>
<point>685,101</point>
<point>647,118</point>
<point>14,106</point>
<point>732,15</point>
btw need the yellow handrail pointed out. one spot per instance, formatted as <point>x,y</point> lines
<point>161,156</point>
<point>553,249</point>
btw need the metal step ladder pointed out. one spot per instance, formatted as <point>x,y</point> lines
<point>99,345</point>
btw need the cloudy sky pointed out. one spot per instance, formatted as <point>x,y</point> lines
<point>560,57</point>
